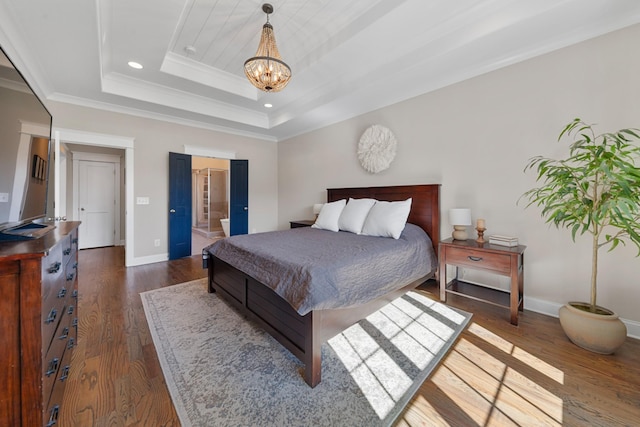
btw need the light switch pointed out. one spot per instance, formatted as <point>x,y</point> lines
<point>4,197</point>
<point>142,200</point>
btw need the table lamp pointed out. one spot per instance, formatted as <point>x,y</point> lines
<point>460,219</point>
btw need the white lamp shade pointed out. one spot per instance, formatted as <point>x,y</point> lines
<point>460,216</point>
<point>317,208</point>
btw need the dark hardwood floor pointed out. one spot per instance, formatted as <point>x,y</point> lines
<point>496,374</point>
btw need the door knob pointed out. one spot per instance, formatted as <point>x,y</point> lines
<point>81,209</point>
<point>172,211</point>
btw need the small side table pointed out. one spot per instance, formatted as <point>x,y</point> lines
<point>501,260</point>
<point>302,223</point>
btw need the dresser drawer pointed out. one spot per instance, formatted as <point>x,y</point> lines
<point>498,263</point>
<point>51,315</point>
<point>54,403</point>
<point>67,250</point>
<point>54,358</point>
<point>53,269</point>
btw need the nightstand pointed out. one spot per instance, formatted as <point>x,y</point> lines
<point>501,260</point>
<point>302,223</point>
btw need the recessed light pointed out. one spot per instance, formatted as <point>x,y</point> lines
<point>136,65</point>
<point>268,105</point>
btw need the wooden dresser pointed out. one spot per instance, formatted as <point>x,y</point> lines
<point>38,324</point>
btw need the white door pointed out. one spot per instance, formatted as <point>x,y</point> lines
<point>96,203</point>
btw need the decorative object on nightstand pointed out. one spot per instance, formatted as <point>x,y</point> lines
<point>595,191</point>
<point>480,228</point>
<point>317,208</point>
<point>460,218</point>
<point>500,240</point>
<point>377,148</point>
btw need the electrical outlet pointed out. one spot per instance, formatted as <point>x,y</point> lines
<point>4,197</point>
<point>142,200</point>
<point>156,243</point>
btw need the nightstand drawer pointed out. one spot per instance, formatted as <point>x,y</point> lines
<point>498,263</point>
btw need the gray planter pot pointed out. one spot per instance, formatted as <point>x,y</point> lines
<point>602,332</point>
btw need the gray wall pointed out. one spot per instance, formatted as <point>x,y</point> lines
<point>475,138</point>
<point>153,141</point>
<point>16,107</point>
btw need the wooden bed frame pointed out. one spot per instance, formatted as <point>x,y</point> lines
<point>304,335</point>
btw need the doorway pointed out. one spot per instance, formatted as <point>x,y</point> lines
<point>97,202</point>
<point>96,194</point>
<point>63,187</point>
<point>210,181</point>
<point>210,202</point>
<point>179,234</point>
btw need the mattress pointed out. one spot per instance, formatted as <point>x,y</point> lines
<point>316,269</point>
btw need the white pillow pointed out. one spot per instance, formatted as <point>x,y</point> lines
<point>329,215</point>
<point>387,219</point>
<point>353,216</point>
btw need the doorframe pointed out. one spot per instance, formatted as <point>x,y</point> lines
<point>27,131</point>
<point>80,156</point>
<point>194,150</point>
<point>113,141</point>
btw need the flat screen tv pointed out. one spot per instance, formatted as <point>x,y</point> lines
<point>25,163</point>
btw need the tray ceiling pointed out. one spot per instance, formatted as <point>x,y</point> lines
<point>347,57</point>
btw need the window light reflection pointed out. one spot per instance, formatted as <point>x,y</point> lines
<point>491,391</point>
<point>406,329</point>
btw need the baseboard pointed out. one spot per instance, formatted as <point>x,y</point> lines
<point>551,309</point>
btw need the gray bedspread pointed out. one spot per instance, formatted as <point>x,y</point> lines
<point>318,269</point>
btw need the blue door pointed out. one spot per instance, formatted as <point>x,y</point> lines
<point>179,205</point>
<point>239,195</point>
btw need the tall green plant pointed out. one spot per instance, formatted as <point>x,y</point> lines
<point>595,190</point>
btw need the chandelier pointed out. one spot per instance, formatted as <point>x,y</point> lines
<point>266,70</point>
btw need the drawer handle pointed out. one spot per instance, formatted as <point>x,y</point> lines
<point>53,416</point>
<point>74,323</point>
<point>475,258</point>
<point>53,366</point>
<point>52,316</point>
<point>71,343</point>
<point>74,294</point>
<point>65,333</point>
<point>65,373</point>
<point>70,277</point>
<point>70,310</point>
<point>74,241</point>
<point>55,267</point>
<point>62,293</point>
<point>67,251</point>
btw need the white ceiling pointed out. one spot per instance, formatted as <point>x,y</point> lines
<point>347,57</point>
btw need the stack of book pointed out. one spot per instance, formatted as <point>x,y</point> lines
<point>497,239</point>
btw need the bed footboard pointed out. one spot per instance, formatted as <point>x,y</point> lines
<point>304,335</point>
<point>301,335</point>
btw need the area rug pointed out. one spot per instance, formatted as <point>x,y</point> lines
<point>222,370</point>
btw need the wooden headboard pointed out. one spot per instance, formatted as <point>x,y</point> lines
<point>425,206</point>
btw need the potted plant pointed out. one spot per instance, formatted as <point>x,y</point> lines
<point>595,190</point>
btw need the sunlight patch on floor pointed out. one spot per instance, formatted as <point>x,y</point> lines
<point>406,329</point>
<point>422,413</point>
<point>490,392</point>
<point>520,354</point>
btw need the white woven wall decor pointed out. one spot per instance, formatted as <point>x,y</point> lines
<point>377,148</point>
